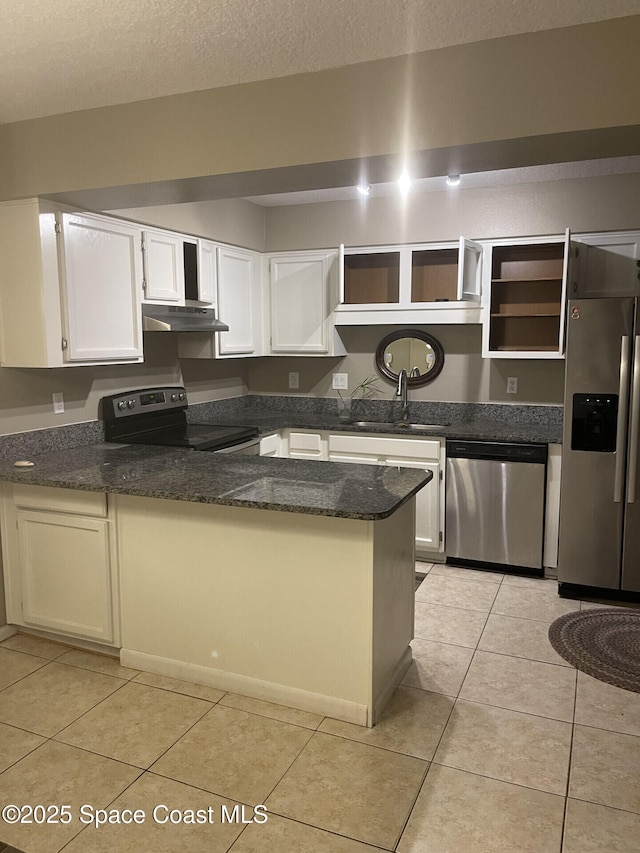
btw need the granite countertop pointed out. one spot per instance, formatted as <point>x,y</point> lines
<point>366,492</point>
<point>479,430</point>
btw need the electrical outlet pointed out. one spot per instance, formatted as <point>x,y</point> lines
<point>512,385</point>
<point>340,381</point>
<point>294,379</point>
<point>58,403</point>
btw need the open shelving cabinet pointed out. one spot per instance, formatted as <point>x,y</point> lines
<point>420,283</point>
<point>526,300</point>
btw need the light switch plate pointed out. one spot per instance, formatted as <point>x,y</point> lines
<point>340,381</point>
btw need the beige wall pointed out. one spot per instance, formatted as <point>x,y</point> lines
<point>466,376</point>
<point>609,203</point>
<point>25,394</point>
<point>566,81</point>
<point>234,221</point>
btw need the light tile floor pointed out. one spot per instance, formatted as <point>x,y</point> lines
<point>493,744</point>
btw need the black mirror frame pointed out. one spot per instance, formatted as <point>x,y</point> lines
<point>412,381</point>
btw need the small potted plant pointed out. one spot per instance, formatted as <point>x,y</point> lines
<point>365,390</point>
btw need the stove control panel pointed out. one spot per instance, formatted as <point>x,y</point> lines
<point>149,400</point>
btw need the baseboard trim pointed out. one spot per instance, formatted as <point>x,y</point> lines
<point>281,694</point>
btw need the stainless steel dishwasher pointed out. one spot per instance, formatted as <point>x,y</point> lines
<point>495,501</point>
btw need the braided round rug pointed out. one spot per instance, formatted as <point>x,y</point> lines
<point>604,643</point>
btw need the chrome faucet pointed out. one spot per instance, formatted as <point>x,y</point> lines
<point>402,392</point>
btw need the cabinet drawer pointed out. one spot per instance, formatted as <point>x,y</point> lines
<point>307,444</point>
<point>61,500</point>
<point>413,448</point>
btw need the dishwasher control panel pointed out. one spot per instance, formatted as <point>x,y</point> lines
<point>497,450</point>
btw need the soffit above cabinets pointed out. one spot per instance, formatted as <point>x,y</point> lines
<point>121,52</point>
<point>474,180</point>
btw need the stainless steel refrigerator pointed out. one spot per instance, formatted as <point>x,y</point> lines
<point>599,542</point>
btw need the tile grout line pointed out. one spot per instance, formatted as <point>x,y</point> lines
<point>569,766</point>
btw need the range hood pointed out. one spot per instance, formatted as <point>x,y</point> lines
<point>180,318</point>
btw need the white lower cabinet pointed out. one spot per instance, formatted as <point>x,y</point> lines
<point>368,449</point>
<point>429,509</point>
<point>59,562</point>
<point>427,454</point>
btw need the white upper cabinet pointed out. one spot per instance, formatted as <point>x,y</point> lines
<point>163,266</point>
<point>428,283</point>
<point>526,293</point>
<point>607,265</point>
<point>70,287</point>
<point>302,301</point>
<point>207,282</point>
<point>102,271</point>
<point>469,270</point>
<point>240,303</point>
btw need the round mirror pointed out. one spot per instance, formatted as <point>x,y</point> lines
<point>416,352</point>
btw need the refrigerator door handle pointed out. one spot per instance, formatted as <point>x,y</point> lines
<point>622,419</point>
<point>635,422</point>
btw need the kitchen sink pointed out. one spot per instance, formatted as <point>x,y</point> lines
<point>397,425</point>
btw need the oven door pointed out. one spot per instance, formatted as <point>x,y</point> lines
<point>248,448</point>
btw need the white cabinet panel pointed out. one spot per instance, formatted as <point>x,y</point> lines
<point>60,562</point>
<point>70,287</point>
<point>306,445</point>
<point>299,303</point>
<point>60,500</point>
<point>271,445</point>
<point>552,507</point>
<point>469,270</point>
<point>239,302</point>
<point>207,271</point>
<point>361,459</point>
<point>163,267</point>
<point>385,445</point>
<point>429,507</point>
<point>102,275</point>
<point>65,574</point>
<point>607,265</point>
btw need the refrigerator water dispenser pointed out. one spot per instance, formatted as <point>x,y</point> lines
<point>594,421</point>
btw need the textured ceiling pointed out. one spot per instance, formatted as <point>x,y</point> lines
<point>78,54</point>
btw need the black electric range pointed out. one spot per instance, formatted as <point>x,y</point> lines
<point>158,416</point>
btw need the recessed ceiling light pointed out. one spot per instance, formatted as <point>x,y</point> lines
<point>364,189</point>
<point>404,182</point>
<point>453,180</point>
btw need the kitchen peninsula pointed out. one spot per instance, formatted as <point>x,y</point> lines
<point>282,579</point>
